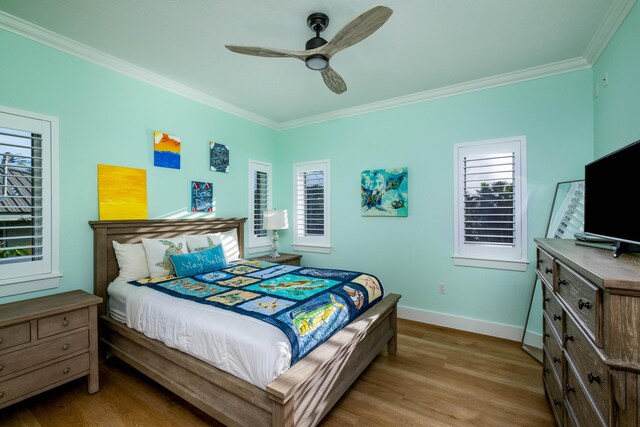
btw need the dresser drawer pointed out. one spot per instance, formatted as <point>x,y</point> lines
<point>578,401</point>
<point>553,309</point>
<point>50,350</point>
<point>62,322</point>
<point>583,298</point>
<point>554,391</point>
<point>552,349</point>
<point>589,366</point>
<point>13,335</point>
<point>545,267</point>
<point>41,378</point>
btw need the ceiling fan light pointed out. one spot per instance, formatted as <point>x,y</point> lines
<point>317,62</point>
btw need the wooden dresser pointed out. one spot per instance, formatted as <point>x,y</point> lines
<point>47,341</point>
<point>591,333</point>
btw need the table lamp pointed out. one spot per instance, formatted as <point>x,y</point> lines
<point>275,220</point>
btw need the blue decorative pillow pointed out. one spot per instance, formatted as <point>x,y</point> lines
<point>199,262</point>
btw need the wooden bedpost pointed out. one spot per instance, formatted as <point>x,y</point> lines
<point>392,345</point>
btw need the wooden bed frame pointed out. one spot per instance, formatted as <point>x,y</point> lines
<point>301,396</point>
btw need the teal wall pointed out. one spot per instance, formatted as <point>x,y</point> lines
<point>412,255</point>
<point>107,117</point>
<point>617,107</point>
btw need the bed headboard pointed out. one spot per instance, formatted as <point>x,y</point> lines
<point>105,266</point>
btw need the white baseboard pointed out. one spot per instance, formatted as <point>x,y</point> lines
<point>500,330</point>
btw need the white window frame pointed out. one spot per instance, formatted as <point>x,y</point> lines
<point>301,242</point>
<point>487,255</point>
<point>259,243</point>
<point>43,274</point>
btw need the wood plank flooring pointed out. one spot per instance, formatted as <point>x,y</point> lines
<point>440,377</point>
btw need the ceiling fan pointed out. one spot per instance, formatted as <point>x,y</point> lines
<point>318,51</point>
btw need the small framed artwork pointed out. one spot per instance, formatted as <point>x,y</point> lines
<point>201,196</point>
<point>384,192</point>
<point>219,157</point>
<point>166,150</point>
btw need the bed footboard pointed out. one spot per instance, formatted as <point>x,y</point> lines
<point>304,394</point>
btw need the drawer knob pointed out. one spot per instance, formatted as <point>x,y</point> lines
<point>571,389</point>
<point>66,370</point>
<point>562,282</point>
<point>546,335</point>
<point>545,371</point>
<point>556,359</point>
<point>66,347</point>
<point>557,317</point>
<point>593,378</point>
<point>547,299</point>
<point>540,261</point>
<point>548,270</point>
<point>65,322</point>
<point>583,304</point>
<point>568,337</point>
<point>556,402</point>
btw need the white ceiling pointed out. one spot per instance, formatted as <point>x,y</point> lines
<point>426,45</point>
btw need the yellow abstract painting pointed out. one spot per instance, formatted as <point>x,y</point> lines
<point>122,192</point>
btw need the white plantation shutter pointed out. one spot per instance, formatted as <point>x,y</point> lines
<point>489,205</point>
<point>311,204</point>
<point>489,199</point>
<point>27,214</point>
<point>260,200</point>
<point>20,196</point>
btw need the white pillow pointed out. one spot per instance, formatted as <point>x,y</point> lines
<point>131,260</point>
<point>158,251</point>
<point>228,240</point>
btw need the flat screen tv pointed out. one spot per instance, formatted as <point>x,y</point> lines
<point>611,198</point>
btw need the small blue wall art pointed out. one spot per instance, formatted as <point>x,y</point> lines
<point>384,192</point>
<point>201,196</point>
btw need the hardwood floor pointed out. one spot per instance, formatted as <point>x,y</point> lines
<point>440,377</point>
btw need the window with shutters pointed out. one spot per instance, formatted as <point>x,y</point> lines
<point>28,202</point>
<point>260,200</point>
<point>490,204</point>
<point>311,225</point>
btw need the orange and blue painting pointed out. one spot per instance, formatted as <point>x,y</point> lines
<point>122,192</point>
<point>166,150</point>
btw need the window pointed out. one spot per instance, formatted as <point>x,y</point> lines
<point>260,199</point>
<point>28,202</point>
<point>490,204</point>
<point>311,206</point>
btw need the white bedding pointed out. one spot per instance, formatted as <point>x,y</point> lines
<point>240,345</point>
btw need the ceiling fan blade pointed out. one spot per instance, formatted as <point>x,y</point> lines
<point>267,52</point>
<point>357,30</point>
<point>333,80</point>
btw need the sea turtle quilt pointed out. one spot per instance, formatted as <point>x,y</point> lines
<point>308,304</point>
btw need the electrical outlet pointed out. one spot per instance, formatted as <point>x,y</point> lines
<point>442,288</point>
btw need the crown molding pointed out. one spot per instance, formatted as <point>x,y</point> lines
<point>49,38</point>
<point>611,22</point>
<point>457,89</point>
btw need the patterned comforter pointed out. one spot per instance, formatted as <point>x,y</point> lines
<point>308,304</point>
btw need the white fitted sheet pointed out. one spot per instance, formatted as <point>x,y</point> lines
<point>240,345</point>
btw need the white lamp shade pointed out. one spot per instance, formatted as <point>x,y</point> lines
<point>275,220</point>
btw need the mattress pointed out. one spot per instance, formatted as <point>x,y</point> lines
<point>240,345</point>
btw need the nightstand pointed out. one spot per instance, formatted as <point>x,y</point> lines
<point>290,259</point>
<point>46,342</point>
